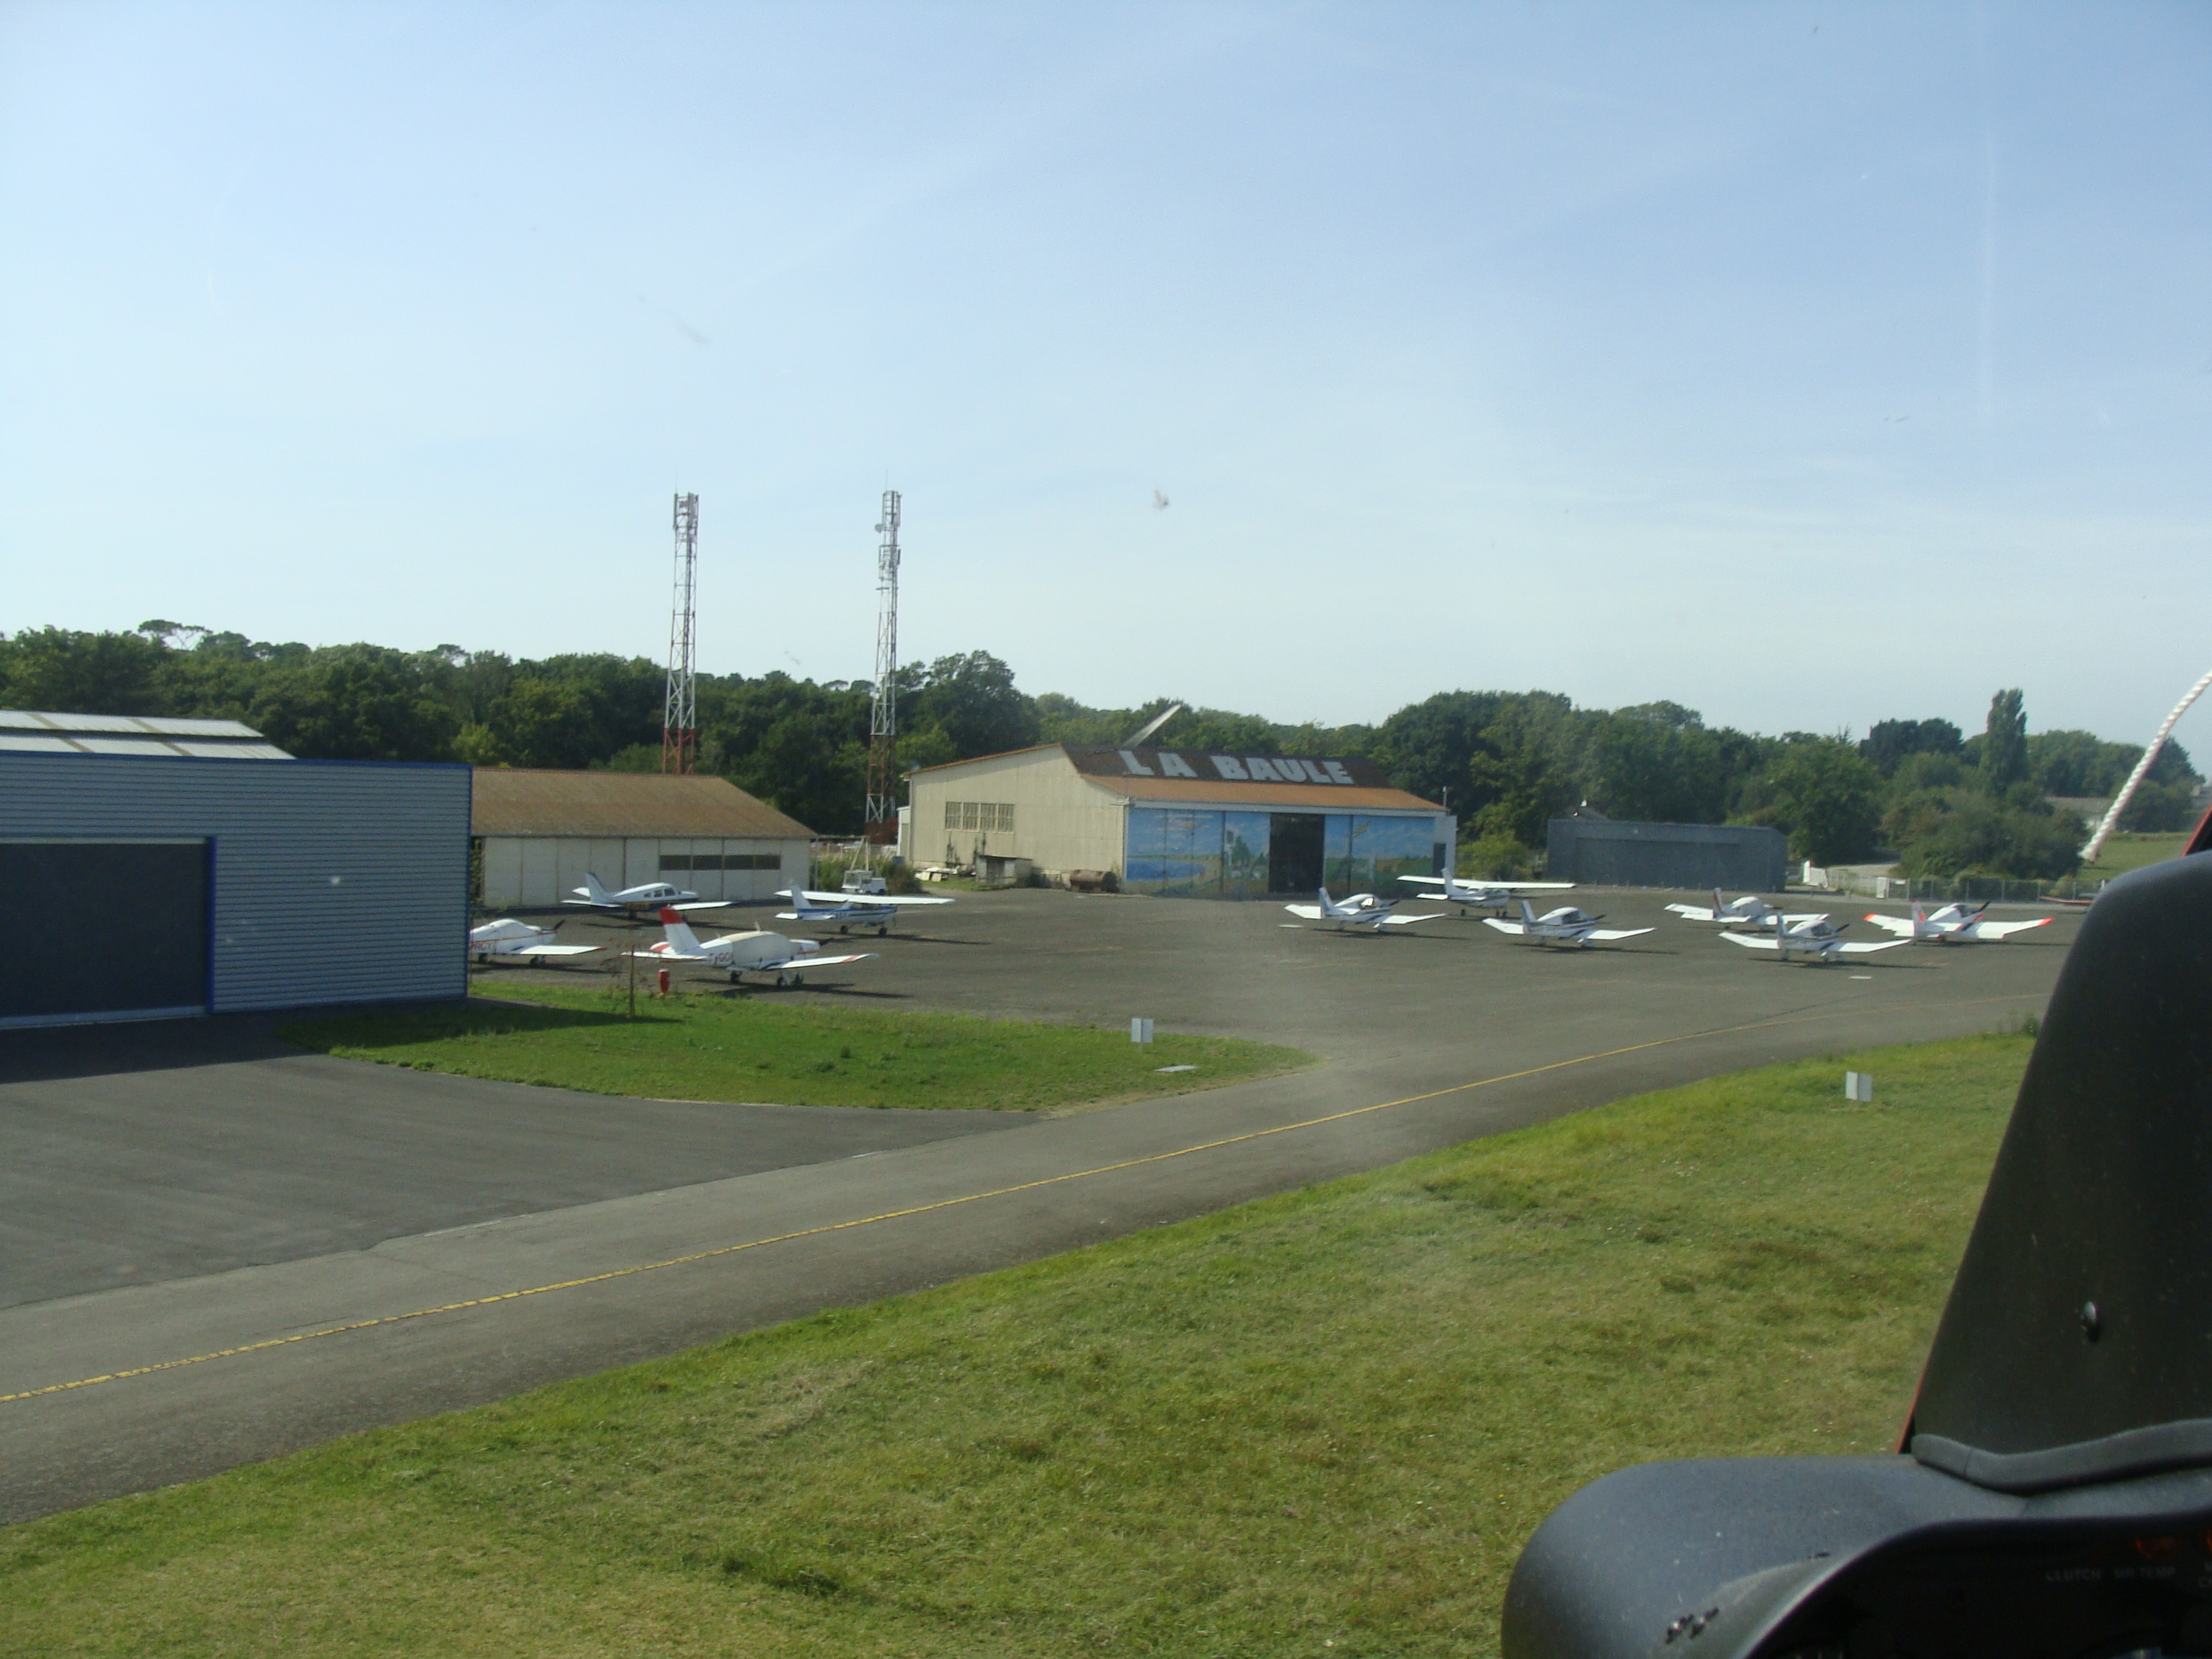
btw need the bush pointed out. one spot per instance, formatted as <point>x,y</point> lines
<point>1955,833</point>
<point>1496,856</point>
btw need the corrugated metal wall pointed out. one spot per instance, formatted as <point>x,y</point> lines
<point>334,882</point>
<point>537,872</point>
<point>1621,852</point>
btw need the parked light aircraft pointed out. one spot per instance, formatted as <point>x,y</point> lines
<point>1565,926</point>
<point>895,900</point>
<point>879,911</point>
<point>1358,910</point>
<point>1952,923</point>
<point>1813,939</point>
<point>1483,894</point>
<point>653,895</point>
<point>509,938</point>
<point>751,952</point>
<point>848,915</point>
<point>1749,911</point>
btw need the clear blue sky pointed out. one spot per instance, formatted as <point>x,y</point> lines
<point>1805,364</point>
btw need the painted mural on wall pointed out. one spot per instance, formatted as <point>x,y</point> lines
<point>1182,853</point>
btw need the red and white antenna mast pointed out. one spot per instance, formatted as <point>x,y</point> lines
<point>880,819</point>
<point>679,717</point>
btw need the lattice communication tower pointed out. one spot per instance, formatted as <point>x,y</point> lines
<point>679,717</point>
<point>880,819</point>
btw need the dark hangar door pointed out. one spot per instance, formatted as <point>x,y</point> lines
<point>1294,850</point>
<point>103,928</point>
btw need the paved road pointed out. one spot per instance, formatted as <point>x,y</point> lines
<point>141,1154</point>
<point>1430,1039</point>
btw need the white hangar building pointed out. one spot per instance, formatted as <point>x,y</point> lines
<point>1180,822</point>
<point>538,832</point>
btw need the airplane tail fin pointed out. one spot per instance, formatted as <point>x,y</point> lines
<point>593,892</point>
<point>1325,901</point>
<point>1720,905</point>
<point>680,936</point>
<point>1528,912</point>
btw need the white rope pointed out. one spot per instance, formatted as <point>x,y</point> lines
<point>2142,767</point>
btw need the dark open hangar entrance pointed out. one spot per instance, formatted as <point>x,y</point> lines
<point>105,929</point>
<point>1295,849</point>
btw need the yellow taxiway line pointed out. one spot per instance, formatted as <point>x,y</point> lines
<point>941,1204</point>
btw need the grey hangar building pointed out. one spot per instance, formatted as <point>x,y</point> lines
<point>1179,822</point>
<point>156,868</point>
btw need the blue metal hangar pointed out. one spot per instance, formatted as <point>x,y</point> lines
<point>156,868</point>
<point>1176,822</point>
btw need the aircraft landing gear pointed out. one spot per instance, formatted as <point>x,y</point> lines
<point>884,931</point>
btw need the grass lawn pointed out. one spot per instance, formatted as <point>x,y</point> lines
<point>2125,852</point>
<point>722,1048</point>
<point>1327,1418</point>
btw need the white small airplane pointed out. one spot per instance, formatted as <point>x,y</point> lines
<point>848,915</point>
<point>1749,911</point>
<point>1565,926</point>
<point>516,939</point>
<point>1952,923</point>
<point>847,910</point>
<point>1813,939</point>
<point>654,894</point>
<point>1483,894</point>
<point>1358,910</point>
<point>751,952</point>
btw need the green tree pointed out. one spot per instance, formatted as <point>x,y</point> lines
<point>356,702</point>
<point>1655,762</point>
<point>56,669</point>
<point>970,697</point>
<point>1962,832</point>
<point>1890,742</point>
<point>1826,796</point>
<point>2004,743</point>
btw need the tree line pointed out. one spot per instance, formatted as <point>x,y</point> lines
<point>1505,761</point>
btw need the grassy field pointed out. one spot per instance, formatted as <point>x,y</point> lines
<point>1320,1424</point>
<point>2123,853</point>
<point>718,1047</point>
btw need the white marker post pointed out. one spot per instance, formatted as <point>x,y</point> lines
<point>1858,1085</point>
<point>1140,1030</point>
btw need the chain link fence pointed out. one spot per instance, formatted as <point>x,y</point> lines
<point>1973,890</point>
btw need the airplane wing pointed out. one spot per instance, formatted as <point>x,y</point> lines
<point>1694,913</point>
<point>872,898</point>
<point>1892,924</point>
<point>702,904</point>
<point>1504,927</point>
<point>591,904</point>
<point>1424,881</point>
<point>1618,933</point>
<point>1402,921</point>
<point>1311,912</point>
<point>666,955</point>
<point>1858,948</point>
<point>1754,941</point>
<point>1999,929</point>
<point>807,964</point>
<point>1799,919</point>
<point>549,951</point>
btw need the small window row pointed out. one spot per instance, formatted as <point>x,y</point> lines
<point>721,861</point>
<point>979,815</point>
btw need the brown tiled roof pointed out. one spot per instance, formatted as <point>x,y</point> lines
<point>516,802</point>
<point>1281,796</point>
